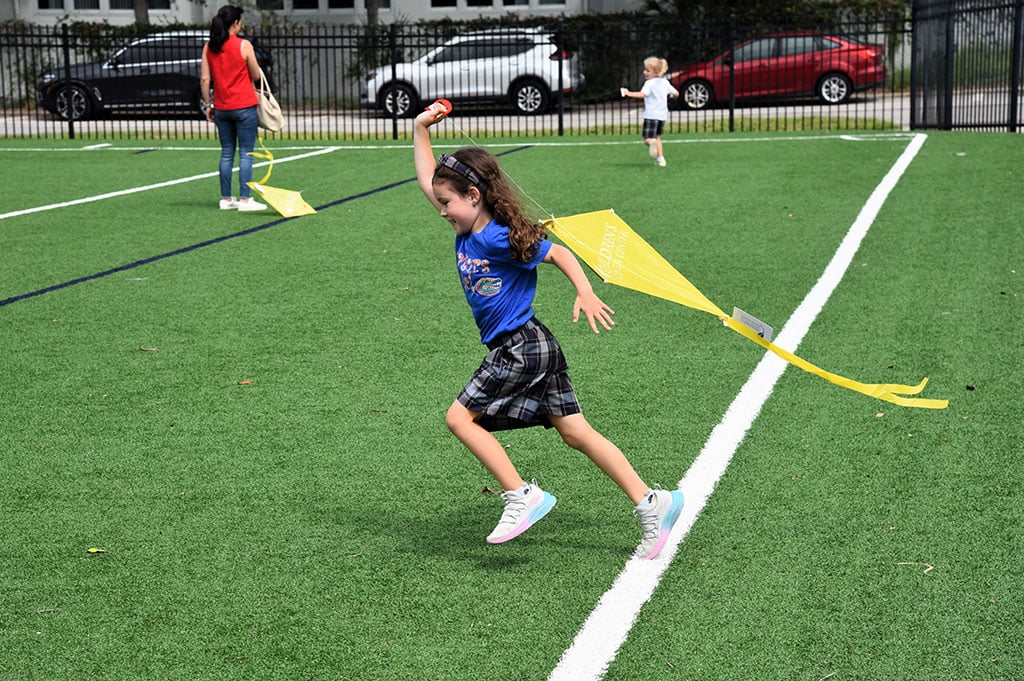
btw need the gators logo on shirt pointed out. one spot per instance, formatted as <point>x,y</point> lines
<point>488,286</point>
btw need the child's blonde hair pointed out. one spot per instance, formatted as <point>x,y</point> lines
<point>659,64</point>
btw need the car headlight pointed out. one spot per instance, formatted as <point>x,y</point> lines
<point>47,78</point>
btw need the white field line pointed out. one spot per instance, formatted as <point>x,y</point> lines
<point>607,627</point>
<point>144,188</point>
<point>106,147</point>
<point>328,150</point>
<point>856,137</point>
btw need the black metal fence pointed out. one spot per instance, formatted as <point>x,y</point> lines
<point>320,78</point>
<point>967,64</point>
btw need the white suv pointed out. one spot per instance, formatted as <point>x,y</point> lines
<point>518,66</point>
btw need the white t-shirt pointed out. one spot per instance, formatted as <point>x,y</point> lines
<point>656,92</point>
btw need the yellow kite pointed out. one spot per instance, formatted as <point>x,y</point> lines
<point>620,256</point>
<point>288,203</point>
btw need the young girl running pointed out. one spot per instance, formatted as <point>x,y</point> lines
<point>656,92</point>
<point>523,380</point>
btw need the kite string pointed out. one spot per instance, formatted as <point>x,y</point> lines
<point>518,186</point>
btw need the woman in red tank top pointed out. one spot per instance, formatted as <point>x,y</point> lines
<point>230,63</point>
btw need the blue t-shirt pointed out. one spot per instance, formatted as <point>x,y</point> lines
<point>498,288</point>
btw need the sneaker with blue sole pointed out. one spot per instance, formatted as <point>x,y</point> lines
<point>523,507</point>
<point>658,513</point>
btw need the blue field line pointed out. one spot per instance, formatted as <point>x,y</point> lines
<point>211,242</point>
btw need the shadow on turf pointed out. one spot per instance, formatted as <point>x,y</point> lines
<point>459,533</point>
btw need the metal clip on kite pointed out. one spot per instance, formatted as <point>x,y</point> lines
<point>445,105</point>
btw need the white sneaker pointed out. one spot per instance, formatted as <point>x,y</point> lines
<point>523,507</point>
<point>658,512</point>
<point>245,205</point>
<point>229,204</point>
<point>660,162</point>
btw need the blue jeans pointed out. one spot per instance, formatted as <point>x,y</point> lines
<point>236,127</point>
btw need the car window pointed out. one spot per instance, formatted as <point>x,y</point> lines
<point>484,49</point>
<point>133,54</point>
<point>798,44</point>
<point>160,50</point>
<point>457,52</point>
<point>511,46</point>
<point>756,49</point>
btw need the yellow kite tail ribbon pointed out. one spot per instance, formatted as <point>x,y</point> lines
<point>266,155</point>
<point>620,256</point>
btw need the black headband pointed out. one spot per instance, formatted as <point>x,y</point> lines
<point>449,161</point>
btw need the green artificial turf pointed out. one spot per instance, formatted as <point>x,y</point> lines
<point>248,421</point>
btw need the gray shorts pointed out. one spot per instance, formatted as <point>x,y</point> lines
<point>522,381</point>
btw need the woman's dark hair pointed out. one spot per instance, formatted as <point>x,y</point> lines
<point>219,27</point>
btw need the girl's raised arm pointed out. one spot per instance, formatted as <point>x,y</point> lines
<point>423,154</point>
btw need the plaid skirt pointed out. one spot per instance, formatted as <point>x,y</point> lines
<point>522,381</point>
<point>652,128</point>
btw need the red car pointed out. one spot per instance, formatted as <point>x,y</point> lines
<point>784,65</point>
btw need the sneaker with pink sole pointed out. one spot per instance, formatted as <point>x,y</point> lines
<point>658,513</point>
<point>523,507</point>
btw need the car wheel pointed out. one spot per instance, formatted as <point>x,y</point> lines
<point>530,97</point>
<point>834,88</point>
<point>73,103</point>
<point>697,94</point>
<point>399,100</point>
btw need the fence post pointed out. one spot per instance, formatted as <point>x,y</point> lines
<point>393,56</point>
<point>732,73</point>
<point>66,51</point>
<point>1018,28</point>
<point>947,98</point>
<point>931,66</point>
<point>560,41</point>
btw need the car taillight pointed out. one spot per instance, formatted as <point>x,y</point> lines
<point>560,54</point>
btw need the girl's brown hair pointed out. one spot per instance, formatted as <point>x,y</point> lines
<point>500,199</point>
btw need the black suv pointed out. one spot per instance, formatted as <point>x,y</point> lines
<point>159,71</point>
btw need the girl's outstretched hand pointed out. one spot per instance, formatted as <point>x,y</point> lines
<point>595,310</point>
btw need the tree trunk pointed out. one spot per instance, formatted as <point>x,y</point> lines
<point>141,8</point>
<point>372,13</point>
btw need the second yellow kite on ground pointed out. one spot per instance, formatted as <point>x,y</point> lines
<point>287,202</point>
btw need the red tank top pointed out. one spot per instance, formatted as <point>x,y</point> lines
<point>232,87</point>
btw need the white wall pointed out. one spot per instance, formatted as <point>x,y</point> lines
<point>61,11</point>
<point>187,12</point>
